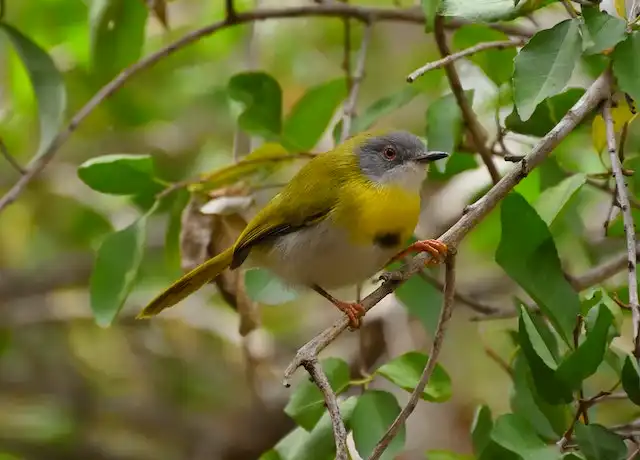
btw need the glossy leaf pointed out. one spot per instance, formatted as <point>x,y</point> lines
<point>375,412</point>
<point>317,444</point>
<point>516,434</point>
<point>115,270</point>
<point>496,64</point>
<point>120,174</point>
<point>546,115</point>
<point>631,379</point>
<point>422,300</point>
<point>541,361</point>
<point>48,85</point>
<point>598,443</point>
<point>490,10</point>
<point>528,255</point>
<point>405,371</point>
<point>310,116</point>
<point>306,404</point>
<point>586,359</point>
<point>117,35</point>
<point>549,421</point>
<point>544,65</point>
<point>382,107</point>
<point>264,287</point>
<point>444,123</point>
<point>604,31</point>
<point>261,96</point>
<point>553,200</point>
<point>481,429</point>
<point>626,66</point>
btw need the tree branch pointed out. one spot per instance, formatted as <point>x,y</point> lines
<point>473,216</point>
<point>500,45</point>
<point>12,161</point>
<point>629,227</point>
<point>364,14</point>
<point>355,80</point>
<point>339,431</point>
<point>601,272</point>
<point>470,119</point>
<point>445,315</point>
<point>462,298</point>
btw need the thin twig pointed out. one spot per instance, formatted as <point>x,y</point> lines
<point>230,10</point>
<point>438,339</point>
<point>629,226</point>
<point>350,106</point>
<point>462,298</point>
<point>474,215</point>
<point>496,358</point>
<point>12,161</point>
<point>470,119</point>
<point>339,431</point>
<point>601,272</point>
<point>346,54</point>
<point>570,9</point>
<point>583,406</point>
<point>332,10</point>
<point>503,44</point>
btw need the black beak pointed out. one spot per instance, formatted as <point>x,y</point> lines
<point>431,156</point>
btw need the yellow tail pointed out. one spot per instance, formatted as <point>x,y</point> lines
<point>188,284</point>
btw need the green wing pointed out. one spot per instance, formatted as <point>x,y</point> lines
<point>305,201</point>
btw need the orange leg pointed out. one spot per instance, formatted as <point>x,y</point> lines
<point>353,310</point>
<point>434,247</point>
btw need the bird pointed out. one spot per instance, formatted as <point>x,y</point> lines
<point>342,218</point>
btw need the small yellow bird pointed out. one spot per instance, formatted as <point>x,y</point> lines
<point>343,217</point>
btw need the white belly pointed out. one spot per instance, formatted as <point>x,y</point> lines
<point>322,255</point>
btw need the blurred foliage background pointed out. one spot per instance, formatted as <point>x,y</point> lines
<point>187,384</point>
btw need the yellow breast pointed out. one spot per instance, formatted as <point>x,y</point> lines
<point>377,214</point>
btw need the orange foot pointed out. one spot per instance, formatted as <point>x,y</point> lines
<point>434,247</point>
<point>353,310</point>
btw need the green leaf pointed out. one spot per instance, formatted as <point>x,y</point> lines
<point>422,300</point>
<point>261,96</point>
<point>117,35</point>
<point>264,287</point>
<point>586,359</point>
<point>598,443</point>
<point>306,404</point>
<point>572,456</point>
<point>626,66</point>
<point>604,31</point>
<point>545,64</point>
<point>317,444</point>
<point>115,270</point>
<point>481,429</point>
<point>527,253</point>
<point>541,362</point>
<point>447,455</point>
<point>549,421</point>
<point>375,412</point>
<point>456,163</point>
<point>47,83</point>
<point>490,10</point>
<point>430,8</point>
<point>553,200</point>
<point>120,174</point>
<point>444,123</point>
<point>496,64</point>
<point>382,107</point>
<point>406,369</point>
<point>310,116</point>
<point>546,115</point>
<point>516,434</point>
<point>631,379</point>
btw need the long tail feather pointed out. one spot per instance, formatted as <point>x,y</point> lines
<point>188,284</point>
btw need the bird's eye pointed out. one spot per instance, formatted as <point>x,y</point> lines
<point>389,153</point>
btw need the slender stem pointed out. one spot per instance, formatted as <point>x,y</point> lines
<point>445,315</point>
<point>629,226</point>
<point>503,44</point>
<point>462,298</point>
<point>12,161</point>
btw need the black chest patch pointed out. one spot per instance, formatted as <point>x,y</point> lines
<point>387,240</point>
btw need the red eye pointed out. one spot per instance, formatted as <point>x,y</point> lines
<point>389,153</point>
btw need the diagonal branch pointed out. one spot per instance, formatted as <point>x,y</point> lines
<point>474,215</point>
<point>601,272</point>
<point>629,226</point>
<point>500,45</point>
<point>7,156</point>
<point>462,298</point>
<point>445,315</point>
<point>233,18</point>
<point>470,119</point>
<point>355,80</point>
